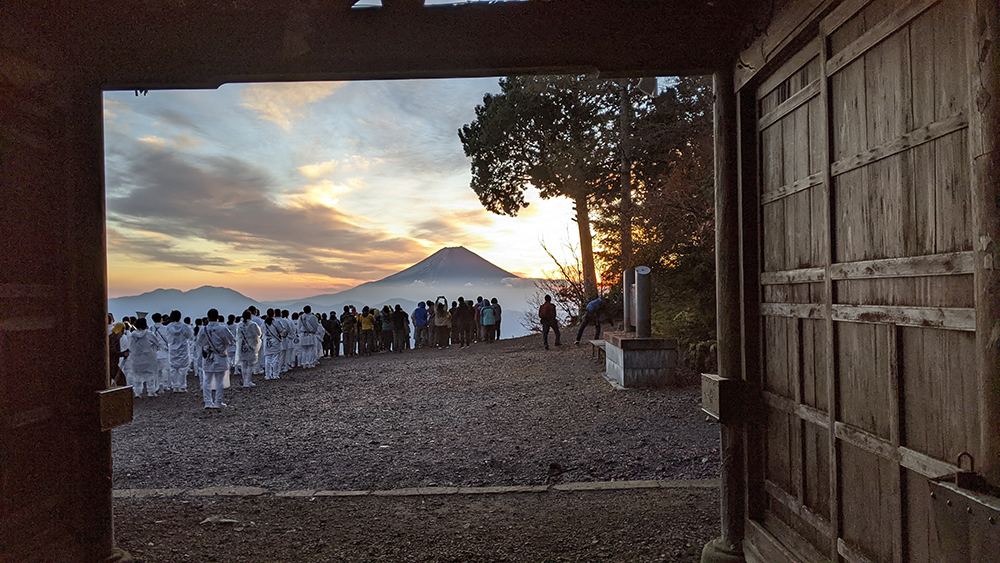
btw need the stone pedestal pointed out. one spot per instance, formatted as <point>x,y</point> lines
<point>640,362</point>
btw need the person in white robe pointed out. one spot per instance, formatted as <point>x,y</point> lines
<point>179,336</point>
<point>272,347</point>
<point>309,328</point>
<point>231,351</point>
<point>214,339</point>
<point>198,354</point>
<point>286,343</point>
<point>142,345</point>
<point>162,353</point>
<point>187,321</point>
<point>318,346</point>
<point>248,345</point>
<point>258,368</point>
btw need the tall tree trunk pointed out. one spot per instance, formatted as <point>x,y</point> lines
<point>586,246</point>
<point>626,176</point>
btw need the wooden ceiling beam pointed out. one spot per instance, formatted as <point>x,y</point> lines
<point>129,45</point>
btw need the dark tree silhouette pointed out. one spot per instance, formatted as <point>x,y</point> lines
<point>556,134</point>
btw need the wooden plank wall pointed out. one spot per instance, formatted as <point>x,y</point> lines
<point>867,281</point>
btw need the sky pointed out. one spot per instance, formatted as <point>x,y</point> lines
<point>289,190</point>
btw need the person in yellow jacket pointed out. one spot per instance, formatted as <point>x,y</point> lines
<point>366,320</point>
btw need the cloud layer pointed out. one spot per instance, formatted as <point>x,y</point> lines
<point>300,187</point>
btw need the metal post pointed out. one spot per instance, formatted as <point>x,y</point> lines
<point>643,299</point>
<point>628,280</point>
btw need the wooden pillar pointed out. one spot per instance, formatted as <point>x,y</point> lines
<point>751,298</point>
<point>86,311</point>
<point>983,54</point>
<point>55,491</point>
<point>727,260</point>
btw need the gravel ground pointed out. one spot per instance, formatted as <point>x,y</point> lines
<point>506,413</point>
<point>656,525</point>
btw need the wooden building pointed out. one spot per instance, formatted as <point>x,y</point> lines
<point>858,213</point>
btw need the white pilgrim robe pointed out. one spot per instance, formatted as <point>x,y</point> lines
<point>215,339</point>
<point>308,326</point>
<point>248,345</point>
<point>142,345</point>
<point>287,352</point>
<point>162,356</point>
<point>259,366</point>
<point>179,336</point>
<point>272,345</point>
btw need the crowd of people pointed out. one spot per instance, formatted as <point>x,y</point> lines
<point>158,354</point>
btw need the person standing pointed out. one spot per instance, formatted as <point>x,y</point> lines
<point>141,346</point>
<point>367,323</point>
<point>419,325</point>
<point>477,319</point>
<point>258,368</point>
<point>441,321</point>
<point>272,345</point>
<point>488,317</point>
<point>309,326</point>
<point>398,321</point>
<point>334,330</point>
<point>547,315</point>
<point>496,317</point>
<point>231,351</point>
<point>463,320</point>
<point>115,355</point>
<point>349,330</point>
<point>248,344</point>
<point>162,352</point>
<point>214,339</point>
<point>179,336</point>
<point>387,336</point>
<point>286,341</point>
<point>591,317</point>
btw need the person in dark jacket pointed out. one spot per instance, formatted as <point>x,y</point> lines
<point>333,331</point>
<point>349,331</point>
<point>547,316</point>
<point>399,322</point>
<point>496,317</point>
<point>591,317</point>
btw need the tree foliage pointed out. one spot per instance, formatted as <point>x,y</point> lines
<point>555,134</point>
<point>672,211</point>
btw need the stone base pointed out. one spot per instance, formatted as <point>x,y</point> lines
<point>640,362</point>
<point>718,551</point>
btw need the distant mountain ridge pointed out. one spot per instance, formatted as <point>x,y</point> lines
<point>449,271</point>
<point>455,263</point>
<point>191,303</point>
<point>452,272</point>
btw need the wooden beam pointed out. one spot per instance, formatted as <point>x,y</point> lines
<point>819,523</point>
<point>789,105</point>
<point>793,188</point>
<point>787,26</point>
<point>802,275</point>
<point>902,16</point>
<point>929,317</point>
<point>912,139</point>
<point>128,45</point>
<point>951,263</point>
